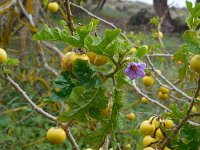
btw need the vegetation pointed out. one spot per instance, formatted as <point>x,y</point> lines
<point>81,86</point>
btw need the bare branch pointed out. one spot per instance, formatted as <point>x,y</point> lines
<point>167,81</point>
<point>53,48</point>
<point>43,59</point>
<point>28,16</point>
<point>102,20</point>
<point>182,121</point>
<point>150,99</point>
<point>71,139</point>
<point>69,16</point>
<point>23,93</point>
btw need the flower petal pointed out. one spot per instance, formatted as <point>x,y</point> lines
<point>140,73</point>
<point>141,66</point>
<point>133,76</point>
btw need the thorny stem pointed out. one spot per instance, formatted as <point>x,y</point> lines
<point>42,112</point>
<point>184,120</point>
<point>69,16</point>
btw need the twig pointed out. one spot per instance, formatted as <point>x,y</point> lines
<point>23,93</point>
<point>102,20</point>
<point>185,118</point>
<point>42,112</point>
<point>160,55</point>
<point>150,99</point>
<point>69,16</point>
<point>53,48</point>
<point>71,139</point>
<point>13,2</point>
<point>195,114</point>
<point>43,60</point>
<point>167,81</point>
<point>28,16</point>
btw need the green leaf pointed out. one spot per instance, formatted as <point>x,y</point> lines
<point>63,86</point>
<point>141,51</point>
<point>81,101</point>
<point>64,35</point>
<point>96,138</point>
<point>84,74</point>
<point>12,62</point>
<point>193,41</point>
<point>176,113</point>
<point>194,13</point>
<point>103,46</point>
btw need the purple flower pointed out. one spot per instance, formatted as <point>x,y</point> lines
<point>135,70</point>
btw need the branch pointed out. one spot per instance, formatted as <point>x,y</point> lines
<point>43,60</point>
<point>27,15</point>
<point>150,99</point>
<point>41,111</point>
<point>23,93</point>
<point>53,48</point>
<point>160,55</point>
<point>167,81</point>
<point>13,2</point>
<point>69,16</point>
<point>71,139</point>
<point>102,20</point>
<point>185,118</point>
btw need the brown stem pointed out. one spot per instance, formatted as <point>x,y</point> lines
<point>184,120</point>
<point>69,16</point>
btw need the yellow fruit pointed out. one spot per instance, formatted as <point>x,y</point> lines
<point>128,146</point>
<point>195,63</point>
<point>98,60</point>
<point>166,148</point>
<point>155,120</point>
<point>163,96</point>
<point>88,149</point>
<point>147,128</point>
<point>194,109</point>
<point>56,135</point>
<point>69,58</point>
<point>159,134</point>
<point>131,116</point>
<point>148,148</point>
<point>148,141</point>
<point>168,123</point>
<point>132,50</point>
<point>160,34</point>
<point>3,56</point>
<point>164,90</point>
<point>144,100</point>
<point>148,80</point>
<point>179,62</point>
<point>53,7</point>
